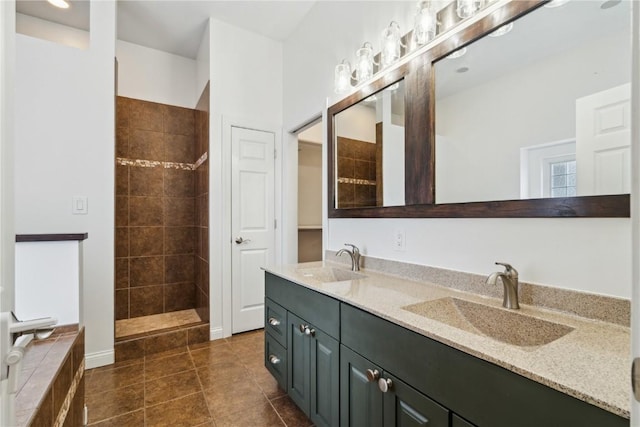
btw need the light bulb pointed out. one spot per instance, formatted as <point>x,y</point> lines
<point>424,29</point>
<point>62,4</point>
<point>390,41</point>
<point>342,78</point>
<point>468,8</point>
<point>364,62</point>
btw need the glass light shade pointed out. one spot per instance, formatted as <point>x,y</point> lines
<point>502,30</point>
<point>62,4</point>
<point>342,78</point>
<point>364,62</point>
<point>390,45</point>
<point>468,8</point>
<point>424,28</point>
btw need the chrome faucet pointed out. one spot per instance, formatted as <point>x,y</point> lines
<point>510,282</point>
<point>354,253</point>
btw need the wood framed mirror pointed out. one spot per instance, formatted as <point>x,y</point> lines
<point>496,132</point>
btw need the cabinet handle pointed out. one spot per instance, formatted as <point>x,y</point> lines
<point>273,321</point>
<point>310,331</point>
<point>385,384</point>
<point>274,360</point>
<point>303,328</point>
<point>373,375</point>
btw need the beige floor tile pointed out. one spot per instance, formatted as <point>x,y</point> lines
<point>268,385</point>
<point>104,380</point>
<point>290,413</point>
<point>262,415</point>
<point>171,387</point>
<point>212,355</point>
<point>233,398</point>
<point>222,375</point>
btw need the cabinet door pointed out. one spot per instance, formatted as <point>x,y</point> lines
<point>298,361</point>
<point>406,407</point>
<point>325,377</point>
<point>456,421</point>
<point>360,399</point>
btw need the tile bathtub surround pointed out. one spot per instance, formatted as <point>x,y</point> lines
<point>156,218</point>
<point>51,389</point>
<point>356,173</point>
<point>583,304</point>
<point>221,383</point>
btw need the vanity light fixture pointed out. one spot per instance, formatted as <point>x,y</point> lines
<point>556,3</point>
<point>468,8</point>
<point>364,62</point>
<point>425,25</point>
<point>390,45</point>
<point>62,4</point>
<point>458,53</point>
<point>342,78</point>
<point>502,30</point>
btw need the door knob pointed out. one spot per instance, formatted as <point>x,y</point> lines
<point>373,375</point>
<point>385,384</point>
<point>240,240</point>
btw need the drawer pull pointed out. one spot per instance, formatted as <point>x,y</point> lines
<point>373,375</point>
<point>307,330</point>
<point>385,384</point>
<point>273,359</point>
<point>302,328</point>
<point>273,321</point>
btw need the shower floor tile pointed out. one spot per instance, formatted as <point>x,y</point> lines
<point>154,322</point>
<point>217,383</point>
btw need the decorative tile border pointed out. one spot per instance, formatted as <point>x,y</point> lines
<point>592,306</point>
<point>356,181</point>
<point>66,405</point>
<point>122,161</point>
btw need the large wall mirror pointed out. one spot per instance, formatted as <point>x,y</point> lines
<point>524,113</point>
<point>542,110</point>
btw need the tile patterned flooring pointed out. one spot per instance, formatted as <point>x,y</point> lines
<point>145,324</point>
<point>219,383</point>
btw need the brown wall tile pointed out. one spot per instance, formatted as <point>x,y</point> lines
<point>164,342</point>
<point>179,211</point>
<point>178,183</point>
<point>122,273</point>
<point>179,148</point>
<point>145,181</point>
<point>146,145</point>
<point>122,211</point>
<point>179,240</point>
<point>122,241</point>
<point>146,241</point>
<point>122,180</point>
<point>179,268</point>
<point>178,121</point>
<point>145,115</point>
<point>205,242</point>
<point>44,415</point>
<point>62,384</point>
<point>147,271</point>
<point>204,210</point>
<point>146,211</point>
<point>122,304</point>
<point>122,111</point>
<point>346,167</point>
<point>128,350</point>
<point>361,169</point>
<point>78,351</point>
<point>146,300</point>
<point>179,296</point>
<point>122,142</point>
<point>198,334</point>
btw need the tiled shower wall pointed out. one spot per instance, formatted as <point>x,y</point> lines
<point>356,173</point>
<point>156,220</point>
<point>202,206</point>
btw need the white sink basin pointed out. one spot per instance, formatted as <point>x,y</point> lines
<point>330,274</point>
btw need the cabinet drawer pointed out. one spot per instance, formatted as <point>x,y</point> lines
<point>275,321</point>
<point>275,359</point>
<point>320,310</point>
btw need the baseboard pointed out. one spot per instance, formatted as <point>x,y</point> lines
<point>99,358</point>
<point>215,333</point>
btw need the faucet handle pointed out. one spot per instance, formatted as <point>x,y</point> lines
<point>508,268</point>
<point>354,247</point>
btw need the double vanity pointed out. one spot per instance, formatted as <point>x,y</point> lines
<point>371,349</point>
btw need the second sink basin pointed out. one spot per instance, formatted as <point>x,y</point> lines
<point>500,324</point>
<point>330,274</point>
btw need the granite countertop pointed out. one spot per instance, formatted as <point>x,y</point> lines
<point>590,363</point>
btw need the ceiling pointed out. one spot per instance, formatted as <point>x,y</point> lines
<point>176,26</point>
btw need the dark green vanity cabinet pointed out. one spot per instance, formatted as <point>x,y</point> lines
<point>363,403</point>
<point>311,330</point>
<point>329,346</point>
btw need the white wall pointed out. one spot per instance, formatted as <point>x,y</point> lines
<point>310,185</point>
<point>203,60</point>
<point>65,146</point>
<point>357,122</point>
<point>47,30</point>
<point>585,254</point>
<point>246,91</point>
<point>153,75</point>
<point>509,114</point>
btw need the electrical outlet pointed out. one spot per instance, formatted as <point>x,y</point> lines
<point>399,240</point>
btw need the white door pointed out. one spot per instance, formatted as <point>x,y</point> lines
<point>252,223</point>
<point>603,142</point>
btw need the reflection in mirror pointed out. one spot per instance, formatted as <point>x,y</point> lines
<point>370,151</point>
<point>540,111</point>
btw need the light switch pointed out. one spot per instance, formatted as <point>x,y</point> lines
<point>79,205</point>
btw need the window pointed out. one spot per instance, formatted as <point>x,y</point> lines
<point>563,178</point>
